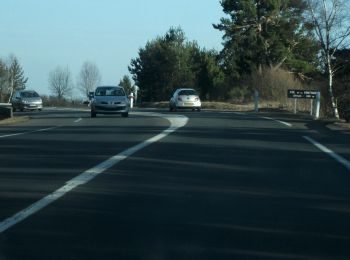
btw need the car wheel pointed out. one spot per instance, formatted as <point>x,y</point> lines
<point>13,109</point>
<point>126,114</point>
<point>93,114</point>
<point>199,109</point>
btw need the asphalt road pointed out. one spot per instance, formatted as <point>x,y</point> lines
<point>224,186</point>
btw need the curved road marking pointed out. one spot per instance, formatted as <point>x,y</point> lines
<point>332,154</point>
<point>278,121</point>
<point>176,121</point>
<point>78,120</point>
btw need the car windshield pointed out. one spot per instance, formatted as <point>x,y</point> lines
<point>29,94</point>
<point>188,92</point>
<point>109,91</point>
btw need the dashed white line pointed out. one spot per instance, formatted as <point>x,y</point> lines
<point>176,122</point>
<point>328,151</point>
<point>78,120</point>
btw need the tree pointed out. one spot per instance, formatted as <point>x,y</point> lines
<point>60,82</point>
<point>89,78</point>
<point>125,82</point>
<point>3,80</point>
<point>261,33</point>
<point>156,70</point>
<point>16,79</point>
<point>171,62</point>
<point>332,28</point>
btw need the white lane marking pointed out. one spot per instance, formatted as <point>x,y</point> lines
<point>279,121</point>
<point>30,132</point>
<point>176,121</point>
<point>232,112</point>
<point>332,154</point>
<point>78,120</point>
<point>240,113</point>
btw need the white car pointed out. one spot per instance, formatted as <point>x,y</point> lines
<point>110,100</point>
<point>185,98</point>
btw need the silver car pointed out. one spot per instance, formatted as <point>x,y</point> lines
<point>26,100</point>
<point>110,100</point>
<point>185,98</point>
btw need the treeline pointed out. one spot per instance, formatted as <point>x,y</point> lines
<point>60,81</point>
<point>266,44</point>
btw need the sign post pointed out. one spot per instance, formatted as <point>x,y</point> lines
<point>306,94</point>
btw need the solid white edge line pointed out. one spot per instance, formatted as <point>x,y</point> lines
<point>328,151</point>
<point>30,132</point>
<point>279,121</point>
<point>176,121</point>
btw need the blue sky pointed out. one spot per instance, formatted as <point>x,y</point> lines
<point>44,34</point>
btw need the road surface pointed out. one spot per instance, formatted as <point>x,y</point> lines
<point>184,185</point>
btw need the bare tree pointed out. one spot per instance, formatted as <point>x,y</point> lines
<point>89,78</point>
<point>331,21</point>
<point>60,82</point>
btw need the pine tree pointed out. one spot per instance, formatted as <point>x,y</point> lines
<point>16,78</point>
<point>262,33</point>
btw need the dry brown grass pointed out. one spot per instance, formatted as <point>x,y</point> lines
<point>14,120</point>
<point>220,105</point>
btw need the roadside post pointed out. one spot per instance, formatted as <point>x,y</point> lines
<point>256,101</point>
<point>318,105</point>
<point>311,106</point>
<point>131,96</point>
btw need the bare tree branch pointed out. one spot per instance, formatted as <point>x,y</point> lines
<point>332,29</point>
<point>89,78</point>
<point>60,81</point>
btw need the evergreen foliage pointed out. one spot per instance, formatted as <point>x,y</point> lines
<point>125,83</point>
<point>265,33</point>
<point>171,62</point>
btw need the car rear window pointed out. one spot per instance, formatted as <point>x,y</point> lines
<point>109,91</point>
<point>188,92</point>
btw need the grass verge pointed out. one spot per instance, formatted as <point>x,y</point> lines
<point>13,120</point>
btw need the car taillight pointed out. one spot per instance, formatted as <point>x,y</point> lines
<point>196,99</point>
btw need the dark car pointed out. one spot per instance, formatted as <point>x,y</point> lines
<point>26,100</point>
<point>347,115</point>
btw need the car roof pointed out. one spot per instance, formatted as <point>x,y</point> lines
<point>109,87</point>
<point>26,90</point>
<point>179,89</point>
